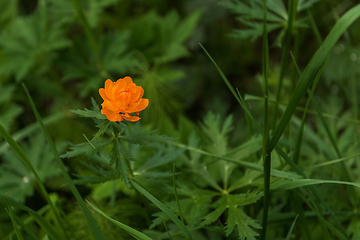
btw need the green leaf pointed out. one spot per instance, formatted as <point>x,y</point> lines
<point>133,232</point>
<point>286,185</point>
<point>236,216</point>
<point>118,156</point>
<point>186,26</point>
<point>288,237</point>
<point>93,10</point>
<point>162,207</point>
<point>217,133</point>
<point>17,179</point>
<point>312,69</point>
<point>105,175</point>
<point>172,53</point>
<point>13,221</point>
<point>43,223</point>
<point>8,110</point>
<point>89,113</point>
<point>8,12</point>
<point>305,4</point>
<point>87,148</point>
<point>91,222</point>
<point>103,127</point>
<point>31,45</point>
<point>161,158</point>
<point>145,137</point>
<point>194,206</point>
<point>244,224</point>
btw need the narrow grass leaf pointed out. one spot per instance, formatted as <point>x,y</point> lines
<point>312,70</point>
<point>93,225</point>
<point>288,236</point>
<point>13,221</point>
<point>133,232</point>
<point>287,185</point>
<point>162,207</point>
<point>333,161</point>
<point>26,131</point>
<point>26,161</point>
<point>43,223</point>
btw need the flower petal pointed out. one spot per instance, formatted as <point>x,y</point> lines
<point>132,118</point>
<point>102,93</point>
<point>109,85</point>
<point>128,80</point>
<point>110,105</point>
<point>142,104</point>
<point>106,111</point>
<point>120,83</point>
<point>115,117</point>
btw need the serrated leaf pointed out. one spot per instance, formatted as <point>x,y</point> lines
<point>186,26</point>
<point>125,152</point>
<point>121,167</point>
<point>89,113</point>
<point>87,148</point>
<point>103,127</point>
<point>244,224</point>
<point>92,9</point>
<point>194,142</point>
<point>236,216</point>
<point>161,158</point>
<point>172,53</point>
<point>214,215</point>
<point>102,175</point>
<point>145,137</point>
<point>216,133</point>
<point>31,45</point>
<point>252,16</point>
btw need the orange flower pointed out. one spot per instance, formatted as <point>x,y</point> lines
<point>121,99</point>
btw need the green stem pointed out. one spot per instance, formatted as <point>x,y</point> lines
<point>284,58</point>
<point>248,121</point>
<point>266,154</point>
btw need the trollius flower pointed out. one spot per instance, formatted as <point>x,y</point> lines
<point>122,100</point>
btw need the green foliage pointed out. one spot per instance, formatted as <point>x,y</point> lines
<point>16,179</point>
<point>93,10</point>
<point>8,110</point>
<point>276,17</point>
<point>30,44</point>
<point>65,50</point>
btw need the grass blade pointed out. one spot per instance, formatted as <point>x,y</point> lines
<point>288,237</point>
<point>13,221</point>
<point>26,161</point>
<point>266,130</point>
<point>43,223</point>
<point>133,232</point>
<point>284,57</point>
<point>93,225</point>
<point>312,70</point>
<point>162,207</point>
